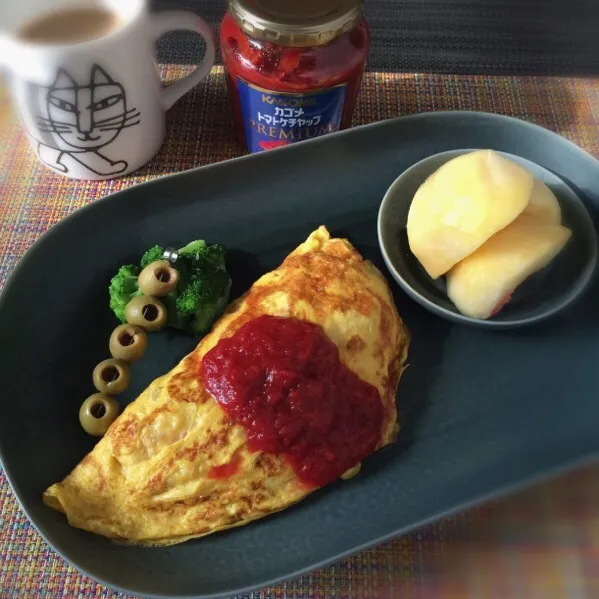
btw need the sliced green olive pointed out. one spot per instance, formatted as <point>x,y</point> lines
<point>97,413</point>
<point>158,278</point>
<point>146,311</point>
<point>128,342</point>
<point>112,376</point>
<point>351,472</point>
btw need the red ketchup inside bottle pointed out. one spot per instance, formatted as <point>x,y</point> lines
<point>292,89</point>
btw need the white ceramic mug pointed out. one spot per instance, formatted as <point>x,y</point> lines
<point>96,109</point>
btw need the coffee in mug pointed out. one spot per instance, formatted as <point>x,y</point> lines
<point>70,25</point>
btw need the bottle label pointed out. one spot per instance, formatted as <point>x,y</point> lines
<point>272,119</point>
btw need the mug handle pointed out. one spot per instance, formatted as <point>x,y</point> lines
<point>173,20</point>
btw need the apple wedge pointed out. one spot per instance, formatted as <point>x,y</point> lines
<point>543,204</point>
<point>463,204</point>
<point>481,284</point>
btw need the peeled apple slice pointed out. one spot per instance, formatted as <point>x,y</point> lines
<point>483,282</point>
<point>462,204</point>
<point>543,204</point>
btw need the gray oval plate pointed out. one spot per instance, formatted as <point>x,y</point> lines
<point>542,295</point>
<point>482,413</point>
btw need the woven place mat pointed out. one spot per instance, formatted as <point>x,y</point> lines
<point>540,544</point>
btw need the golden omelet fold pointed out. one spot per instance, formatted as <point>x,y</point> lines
<point>150,480</point>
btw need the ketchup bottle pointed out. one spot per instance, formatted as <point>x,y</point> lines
<point>293,67</point>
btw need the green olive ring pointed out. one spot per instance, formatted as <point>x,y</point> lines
<point>128,342</point>
<point>158,278</point>
<point>147,312</point>
<point>97,413</point>
<point>111,376</point>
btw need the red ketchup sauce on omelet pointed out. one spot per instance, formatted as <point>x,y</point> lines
<point>283,381</point>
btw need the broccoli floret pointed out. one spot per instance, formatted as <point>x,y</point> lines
<point>201,294</point>
<point>198,250</point>
<point>153,254</point>
<point>216,254</point>
<point>192,249</point>
<point>123,287</point>
<point>205,296</point>
<point>174,318</point>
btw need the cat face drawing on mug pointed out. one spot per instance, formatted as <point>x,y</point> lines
<point>79,119</point>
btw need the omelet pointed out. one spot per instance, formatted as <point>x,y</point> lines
<point>175,465</point>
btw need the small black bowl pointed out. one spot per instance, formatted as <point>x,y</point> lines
<point>542,295</point>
